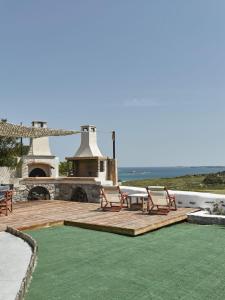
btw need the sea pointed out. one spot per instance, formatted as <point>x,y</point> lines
<point>136,173</point>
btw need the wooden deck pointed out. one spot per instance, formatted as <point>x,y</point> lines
<point>41,213</point>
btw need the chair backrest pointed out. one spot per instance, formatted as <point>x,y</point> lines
<point>111,193</point>
<point>158,195</point>
<point>8,195</point>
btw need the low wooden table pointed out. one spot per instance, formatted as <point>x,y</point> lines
<point>141,201</point>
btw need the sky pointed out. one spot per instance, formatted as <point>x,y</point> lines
<point>152,70</point>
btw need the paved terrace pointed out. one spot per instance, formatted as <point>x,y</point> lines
<point>14,261</point>
<point>41,213</point>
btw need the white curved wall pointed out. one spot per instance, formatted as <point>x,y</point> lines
<point>184,198</point>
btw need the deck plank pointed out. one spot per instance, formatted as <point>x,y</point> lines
<point>36,214</point>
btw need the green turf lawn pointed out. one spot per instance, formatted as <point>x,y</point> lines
<point>179,262</point>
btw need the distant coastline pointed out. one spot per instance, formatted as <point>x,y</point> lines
<point>139,173</point>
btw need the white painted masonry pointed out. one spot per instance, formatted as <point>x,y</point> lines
<point>40,155</point>
<point>88,146</point>
<point>184,198</point>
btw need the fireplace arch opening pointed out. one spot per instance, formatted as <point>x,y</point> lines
<point>38,193</point>
<point>37,172</point>
<point>79,195</point>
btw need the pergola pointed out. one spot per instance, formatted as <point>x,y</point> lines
<point>17,131</point>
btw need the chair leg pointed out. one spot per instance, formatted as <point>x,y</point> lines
<point>173,205</point>
<point>125,203</point>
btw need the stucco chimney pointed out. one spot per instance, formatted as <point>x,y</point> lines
<point>88,146</point>
<point>39,146</point>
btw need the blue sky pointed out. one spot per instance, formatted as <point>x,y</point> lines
<point>153,71</point>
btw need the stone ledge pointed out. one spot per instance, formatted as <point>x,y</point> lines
<point>47,180</point>
<point>204,218</point>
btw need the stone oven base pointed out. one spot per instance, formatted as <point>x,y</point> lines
<point>23,192</point>
<point>78,192</point>
<point>67,188</point>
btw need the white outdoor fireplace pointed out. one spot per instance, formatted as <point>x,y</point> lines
<point>88,160</point>
<point>40,162</point>
<point>88,170</point>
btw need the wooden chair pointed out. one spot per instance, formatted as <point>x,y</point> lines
<point>159,200</point>
<point>112,198</point>
<point>6,202</point>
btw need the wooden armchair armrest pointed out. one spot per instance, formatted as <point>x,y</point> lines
<point>124,195</point>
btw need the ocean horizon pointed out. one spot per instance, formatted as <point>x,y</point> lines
<point>138,173</point>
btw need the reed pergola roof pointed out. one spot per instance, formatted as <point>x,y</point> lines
<point>12,130</point>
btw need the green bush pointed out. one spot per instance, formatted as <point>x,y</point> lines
<point>63,168</point>
<point>218,208</point>
<point>216,178</point>
<point>10,150</point>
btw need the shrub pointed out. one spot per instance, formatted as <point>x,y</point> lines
<point>216,178</point>
<point>63,168</point>
<point>218,208</point>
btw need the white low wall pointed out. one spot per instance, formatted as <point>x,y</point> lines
<point>197,199</point>
<point>184,198</point>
